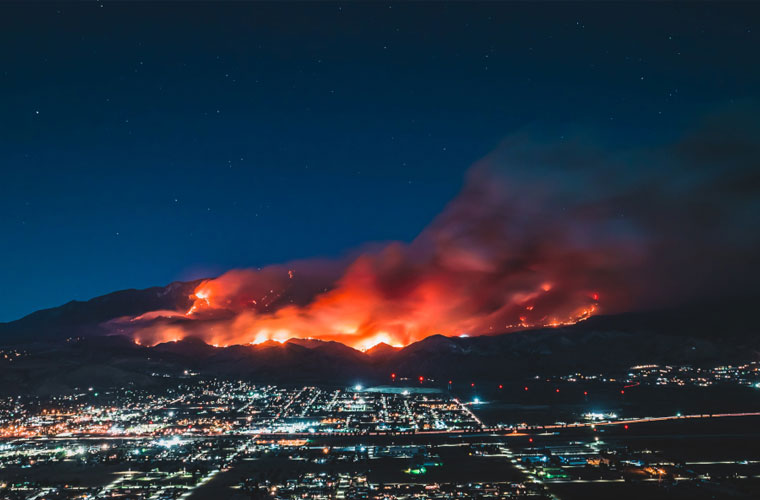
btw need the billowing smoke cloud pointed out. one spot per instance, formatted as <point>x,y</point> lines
<point>543,233</point>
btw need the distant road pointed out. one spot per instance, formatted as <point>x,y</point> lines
<point>522,431</point>
<point>517,431</point>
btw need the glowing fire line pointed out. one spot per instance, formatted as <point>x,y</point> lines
<point>256,328</point>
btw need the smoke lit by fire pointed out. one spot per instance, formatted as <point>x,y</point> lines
<point>363,309</point>
<point>541,235</point>
<point>475,270</point>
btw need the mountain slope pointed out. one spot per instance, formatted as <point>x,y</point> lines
<point>78,318</point>
<point>65,348</point>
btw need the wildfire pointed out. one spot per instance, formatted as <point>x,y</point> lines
<point>201,298</point>
<point>374,340</point>
<point>358,313</point>
<point>482,267</point>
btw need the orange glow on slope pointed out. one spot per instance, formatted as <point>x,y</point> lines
<point>484,266</point>
<point>201,299</point>
<point>372,341</point>
<point>357,313</point>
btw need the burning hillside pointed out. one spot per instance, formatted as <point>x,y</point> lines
<point>541,235</point>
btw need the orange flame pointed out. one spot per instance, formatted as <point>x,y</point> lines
<point>481,267</point>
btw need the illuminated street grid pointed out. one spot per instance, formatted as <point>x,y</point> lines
<point>747,374</point>
<point>213,439</point>
<point>217,407</point>
<point>173,442</point>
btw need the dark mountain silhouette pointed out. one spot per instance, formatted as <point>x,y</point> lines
<point>382,351</point>
<point>77,318</point>
<point>67,347</point>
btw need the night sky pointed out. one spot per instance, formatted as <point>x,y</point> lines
<point>145,143</point>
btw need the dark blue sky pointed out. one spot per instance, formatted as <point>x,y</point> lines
<point>145,143</point>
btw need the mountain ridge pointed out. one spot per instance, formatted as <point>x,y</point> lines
<point>64,346</point>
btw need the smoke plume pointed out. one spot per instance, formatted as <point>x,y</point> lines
<point>543,233</point>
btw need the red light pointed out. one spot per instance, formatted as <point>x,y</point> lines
<point>422,378</point>
<point>450,382</point>
<point>530,439</point>
<point>622,392</point>
<point>526,387</point>
<point>585,393</point>
<point>393,375</point>
<point>501,386</point>
<point>596,296</point>
<point>625,426</point>
<point>472,384</point>
<point>557,390</point>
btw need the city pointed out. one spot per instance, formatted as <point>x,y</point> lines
<point>198,436</point>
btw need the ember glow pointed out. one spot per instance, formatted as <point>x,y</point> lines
<point>499,258</point>
<point>541,235</point>
<point>359,312</point>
